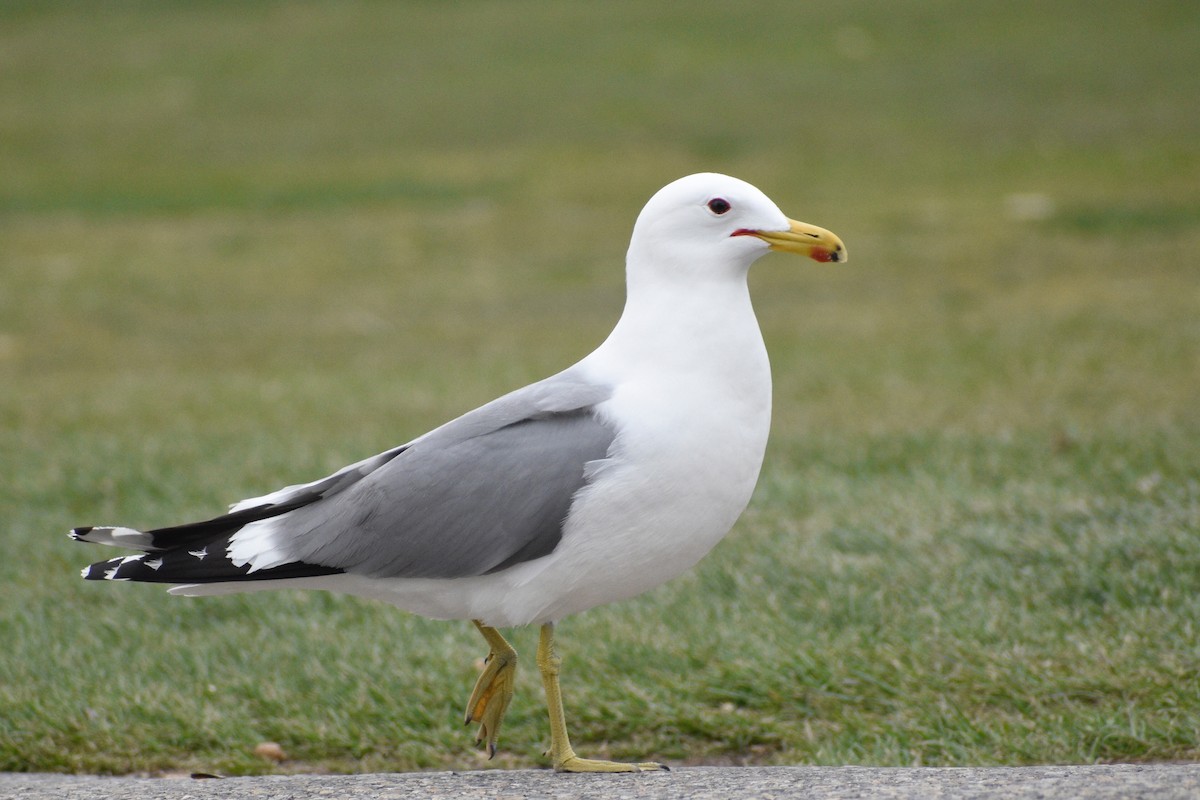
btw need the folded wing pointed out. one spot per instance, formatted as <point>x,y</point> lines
<point>488,490</point>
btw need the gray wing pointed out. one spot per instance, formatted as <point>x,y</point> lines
<point>479,494</point>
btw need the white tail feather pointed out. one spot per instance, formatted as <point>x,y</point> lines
<point>114,537</point>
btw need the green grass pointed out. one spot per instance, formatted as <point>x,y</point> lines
<point>244,244</point>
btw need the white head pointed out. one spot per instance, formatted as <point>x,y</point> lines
<point>710,224</point>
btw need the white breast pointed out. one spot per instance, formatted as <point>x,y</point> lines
<point>689,447</point>
<point>692,430</point>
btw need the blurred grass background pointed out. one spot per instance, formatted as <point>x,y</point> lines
<point>244,244</point>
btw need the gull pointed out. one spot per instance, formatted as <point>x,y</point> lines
<point>591,486</point>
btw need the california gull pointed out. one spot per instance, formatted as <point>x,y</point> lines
<point>593,485</point>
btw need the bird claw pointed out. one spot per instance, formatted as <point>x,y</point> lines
<point>481,740</point>
<point>492,694</point>
<point>574,763</point>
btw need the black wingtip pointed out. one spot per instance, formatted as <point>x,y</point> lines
<point>78,533</point>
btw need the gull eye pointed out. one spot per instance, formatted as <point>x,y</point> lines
<point>719,205</point>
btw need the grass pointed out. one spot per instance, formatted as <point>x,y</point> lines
<point>244,244</point>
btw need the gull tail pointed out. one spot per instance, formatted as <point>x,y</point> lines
<point>197,552</point>
<point>206,565</point>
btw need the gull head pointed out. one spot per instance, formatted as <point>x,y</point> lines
<point>715,224</point>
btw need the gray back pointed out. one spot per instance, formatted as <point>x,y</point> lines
<point>486,491</point>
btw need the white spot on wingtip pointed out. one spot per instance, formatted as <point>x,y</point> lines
<point>154,563</point>
<point>111,573</point>
<point>201,553</point>
<point>113,535</point>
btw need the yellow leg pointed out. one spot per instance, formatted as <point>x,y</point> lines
<point>494,689</point>
<point>561,753</point>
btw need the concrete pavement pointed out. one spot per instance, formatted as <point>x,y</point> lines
<point>1124,781</point>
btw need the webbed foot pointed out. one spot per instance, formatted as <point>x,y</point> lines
<point>494,689</point>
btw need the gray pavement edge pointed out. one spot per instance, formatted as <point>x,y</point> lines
<point>1094,782</point>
